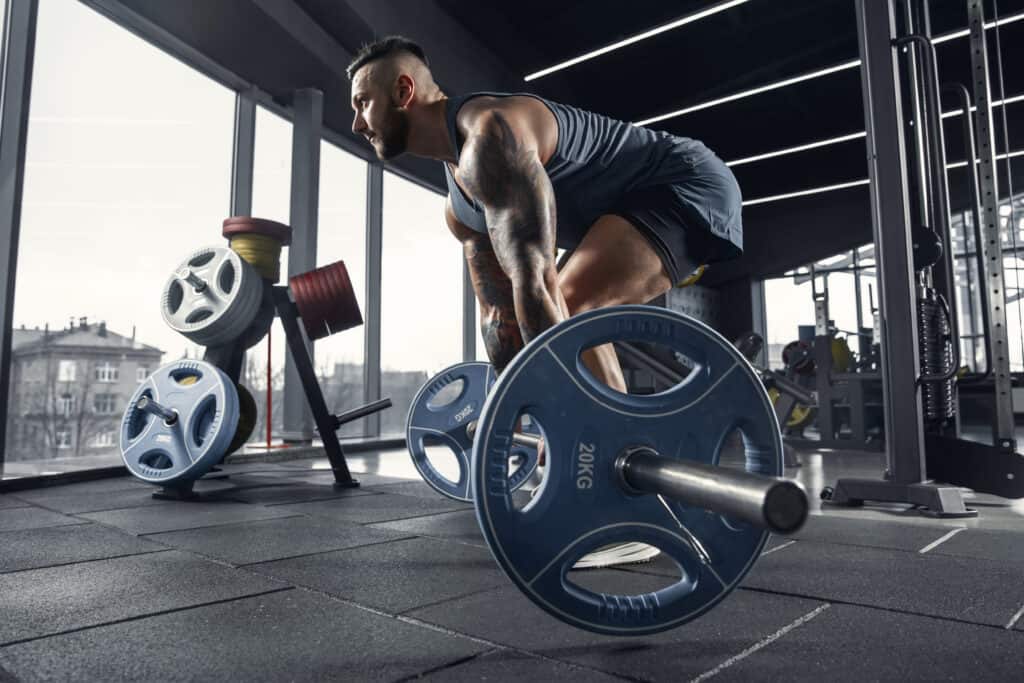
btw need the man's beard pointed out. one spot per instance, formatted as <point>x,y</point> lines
<point>395,140</point>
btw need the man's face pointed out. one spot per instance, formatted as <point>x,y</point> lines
<point>377,118</point>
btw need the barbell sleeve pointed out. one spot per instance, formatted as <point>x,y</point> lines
<point>190,277</point>
<point>518,438</point>
<point>153,408</point>
<point>777,504</point>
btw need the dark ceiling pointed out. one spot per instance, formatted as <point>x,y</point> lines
<point>744,47</point>
<point>475,45</point>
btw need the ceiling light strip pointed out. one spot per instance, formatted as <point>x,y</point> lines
<point>804,193</point>
<point>847,138</point>
<point>805,77</point>
<point>635,39</point>
<point>801,148</point>
<point>855,183</point>
<point>999,157</point>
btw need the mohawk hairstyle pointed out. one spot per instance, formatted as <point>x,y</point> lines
<point>385,47</point>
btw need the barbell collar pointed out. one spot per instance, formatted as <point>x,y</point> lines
<point>153,408</point>
<point>777,504</point>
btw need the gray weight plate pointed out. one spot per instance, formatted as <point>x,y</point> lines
<point>222,307</point>
<point>206,403</point>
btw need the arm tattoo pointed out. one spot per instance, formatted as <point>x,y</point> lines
<point>498,325</point>
<point>508,179</point>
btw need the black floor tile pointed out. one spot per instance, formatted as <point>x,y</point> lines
<point>870,532</point>
<point>16,519</point>
<point>287,636</point>
<point>327,477</point>
<point>506,665</point>
<point>184,515</point>
<point>419,489</point>
<point>39,602</point>
<point>458,526</point>
<point>977,591</point>
<point>35,548</point>
<point>394,576</point>
<point>274,539</point>
<point>12,502</point>
<point>847,643</point>
<point>381,507</point>
<point>94,486</point>
<point>73,500</point>
<point>283,490</point>
<point>985,544</point>
<point>506,616</point>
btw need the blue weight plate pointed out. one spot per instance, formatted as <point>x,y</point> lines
<point>430,422</point>
<point>582,506</point>
<point>207,405</point>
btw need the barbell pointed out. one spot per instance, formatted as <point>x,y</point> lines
<point>624,468</point>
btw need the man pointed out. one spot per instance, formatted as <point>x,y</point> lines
<point>640,210</point>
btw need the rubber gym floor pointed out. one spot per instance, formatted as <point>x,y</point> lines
<point>276,576</point>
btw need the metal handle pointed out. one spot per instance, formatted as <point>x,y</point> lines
<point>361,411</point>
<point>940,184</point>
<point>153,408</point>
<point>769,502</point>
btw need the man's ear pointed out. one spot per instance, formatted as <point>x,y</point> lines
<point>404,90</point>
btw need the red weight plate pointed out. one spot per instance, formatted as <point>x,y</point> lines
<point>244,225</point>
<point>321,304</point>
<point>345,312</point>
<point>302,301</point>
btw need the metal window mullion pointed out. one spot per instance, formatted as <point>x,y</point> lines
<point>374,249</point>
<point>243,154</point>
<point>307,123</point>
<point>19,36</point>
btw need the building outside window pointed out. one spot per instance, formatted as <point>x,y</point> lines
<point>105,404</point>
<point>106,372</point>
<point>66,372</point>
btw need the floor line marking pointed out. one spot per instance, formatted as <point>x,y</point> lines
<point>778,547</point>
<point>764,643</point>
<point>1016,618</point>
<point>935,544</point>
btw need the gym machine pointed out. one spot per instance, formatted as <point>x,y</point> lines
<point>920,356</point>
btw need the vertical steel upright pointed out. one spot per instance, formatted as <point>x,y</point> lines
<point>992,277</point>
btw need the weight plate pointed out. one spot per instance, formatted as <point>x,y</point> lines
<point>430,421</point>
<point>247,225</point>
<point>224,308</point>
<point>581,505</point>
<point>800,416</point>
<point>207,406</point>
<point>247,416</point>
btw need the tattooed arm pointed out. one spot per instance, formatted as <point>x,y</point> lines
<point>500,166</point>
<point>498,325</point>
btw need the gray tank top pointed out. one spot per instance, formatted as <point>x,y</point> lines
<point>597,160</point>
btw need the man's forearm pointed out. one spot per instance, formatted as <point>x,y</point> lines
<point>498,325</point>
